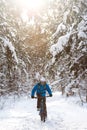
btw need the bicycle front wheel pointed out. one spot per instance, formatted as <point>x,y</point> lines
<point>43,117</point>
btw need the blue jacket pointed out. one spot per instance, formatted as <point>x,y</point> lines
<point>41,89</point>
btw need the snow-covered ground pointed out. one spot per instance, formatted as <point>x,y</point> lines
<point>63,114</point>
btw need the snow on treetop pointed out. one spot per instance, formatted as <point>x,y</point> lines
<point>82,35</point>
<point>82,27</point>
<point>66,15</point>
<point>59,46</point>
<point>61,27</point>
<point>83,24</point>
<point>75,9</point>
<point>8,44</point>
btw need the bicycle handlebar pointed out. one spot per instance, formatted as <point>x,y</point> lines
<point>41,97</point>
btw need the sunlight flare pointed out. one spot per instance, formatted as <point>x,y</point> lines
<point>32,4</point>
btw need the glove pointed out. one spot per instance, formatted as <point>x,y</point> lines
<point>32,96</point>
<point>50,95</point>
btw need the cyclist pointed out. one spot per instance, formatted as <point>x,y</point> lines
<point>40,89</point>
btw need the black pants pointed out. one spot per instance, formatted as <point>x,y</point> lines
<point>39,102</point>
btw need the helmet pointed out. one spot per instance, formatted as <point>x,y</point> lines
<point>42,79</point>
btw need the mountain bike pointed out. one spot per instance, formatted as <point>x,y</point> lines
<point>43,109</point>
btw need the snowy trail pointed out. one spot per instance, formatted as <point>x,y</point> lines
<point>63,114</point>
